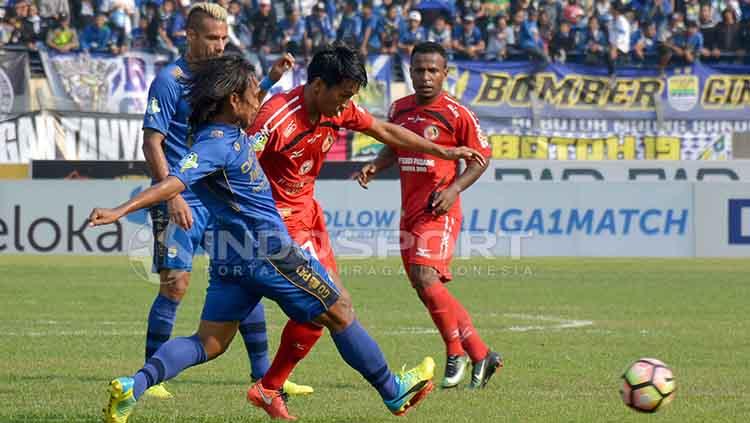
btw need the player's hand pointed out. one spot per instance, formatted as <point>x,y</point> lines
<point>466,153</point>
<point>444,200</point>
<point>179,212</point>
<point>282,65</point>
<point>100,217</point>
<point>365,175</point>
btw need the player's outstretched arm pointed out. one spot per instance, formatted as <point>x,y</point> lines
<point>385,159</point>
<point>282,65</point>
<point>162,191</point>
<point>397,137</point>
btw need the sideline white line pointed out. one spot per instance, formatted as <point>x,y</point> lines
<point>554,323</point>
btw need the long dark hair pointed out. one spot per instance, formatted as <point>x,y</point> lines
<point>212,81</point>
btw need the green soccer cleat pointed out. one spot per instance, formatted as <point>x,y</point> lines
<point>413,386</point>
<point>159,392</point>
<point>291,388</point>
<point>121,400</point>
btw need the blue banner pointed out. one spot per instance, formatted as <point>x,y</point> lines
<point>500,90</point>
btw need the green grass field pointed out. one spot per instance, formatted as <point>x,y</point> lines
<point>567,328</point>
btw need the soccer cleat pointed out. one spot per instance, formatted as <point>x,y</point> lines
<point>484,369</point>
<point>413,386</point>
<point>272,402</point>
<point>455,370</point>
<point>159,392</point>
<point>291,388</point>
<point>121,400</point>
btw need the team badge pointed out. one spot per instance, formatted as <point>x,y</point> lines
<point>237,146</point>
<point>259,140</point>
<point>172,252</point>
<point>305,167</point>
<point>431,132</point>
<point>216,133</point>
<point>327,143</point>
<point>153,106</point>
<point>189,162</point>
<point>289,129</point>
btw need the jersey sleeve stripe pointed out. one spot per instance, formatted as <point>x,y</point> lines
<point>468,112</point>
<point>441,118</point>
<point>286,116</point>
<point>281,109</point>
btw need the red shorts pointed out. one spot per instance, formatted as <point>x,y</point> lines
<point>309,231</point>
<point>430,240</point>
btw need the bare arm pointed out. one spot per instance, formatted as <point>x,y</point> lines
<point>154,154</point>
<point>283,64</point>
<point>385,159</point>
<point>164,190</point>
<point>398,137</point>
<point>447,197</point>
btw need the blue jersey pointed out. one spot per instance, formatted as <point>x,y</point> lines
<point>167,112</point>
<point>222,170</point>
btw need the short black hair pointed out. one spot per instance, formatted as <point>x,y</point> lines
<point>335,63</point>
<point>212,81</point>
<point>428,47</point>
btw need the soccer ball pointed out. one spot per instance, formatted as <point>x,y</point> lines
<point>647,385</point>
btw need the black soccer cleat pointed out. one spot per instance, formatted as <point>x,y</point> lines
<point>484,369</point>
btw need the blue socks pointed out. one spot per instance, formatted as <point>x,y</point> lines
<point>363,354</point>
<point>172,358</point>
<point>253,331</point>
<point>160,323</point>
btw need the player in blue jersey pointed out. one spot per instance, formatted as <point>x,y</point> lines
<point>260,261</point>
<point>166,139</point>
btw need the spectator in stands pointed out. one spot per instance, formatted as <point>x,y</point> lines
<point>263,24</point>
<point>412,33</point>
<point>468,43</point>
<point>603,12</point>
<point>573,13</point>
<point>382,10</point>
<point>499,38</point>
<point>37,27</point>
<point>619,39</point>
<point>546,31</point>
<point>158,36</point>
<point>532,44</point>
<point>646,46</point>
<point>693,10</point>
<point>121,26</point>
<point>518,20</point>
<point>370,40</point>
<point>319,29</point>
<point>593,43</point>
<point>292,32</point>
<point>707,26</point>
<point>726,37</point>
<point>63,38</point>
<point>51,10</point>
<point>441,33</point>
<point>563,43</point>
<point>97,38</point>
<point>84,15</point>
<point>177,25</point>
<point>553,9</point>
<point>350,28</point>
<point>139,35</point>
<point>239,35</point>
<point>389,30</point>
<point>657,11</point>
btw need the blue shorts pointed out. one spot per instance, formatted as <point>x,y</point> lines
<point>174,247</point>
<point>297,282</point>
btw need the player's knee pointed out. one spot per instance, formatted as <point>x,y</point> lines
<point>213,345</point>
<point>174,284</point>
<point>421,277</point>
<point>339,315</point>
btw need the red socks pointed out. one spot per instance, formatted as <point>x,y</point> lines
<point>470,339</point>
<point>297,340</point>
<point>439,303</point>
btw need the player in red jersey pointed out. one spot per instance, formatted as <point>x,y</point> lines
<point>431,208</point>
<point>295,131</point>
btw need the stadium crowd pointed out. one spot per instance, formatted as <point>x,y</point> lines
<point>597,32</point>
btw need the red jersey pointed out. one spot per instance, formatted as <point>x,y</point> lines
<point>446,122</point>
<point>294,149</point>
